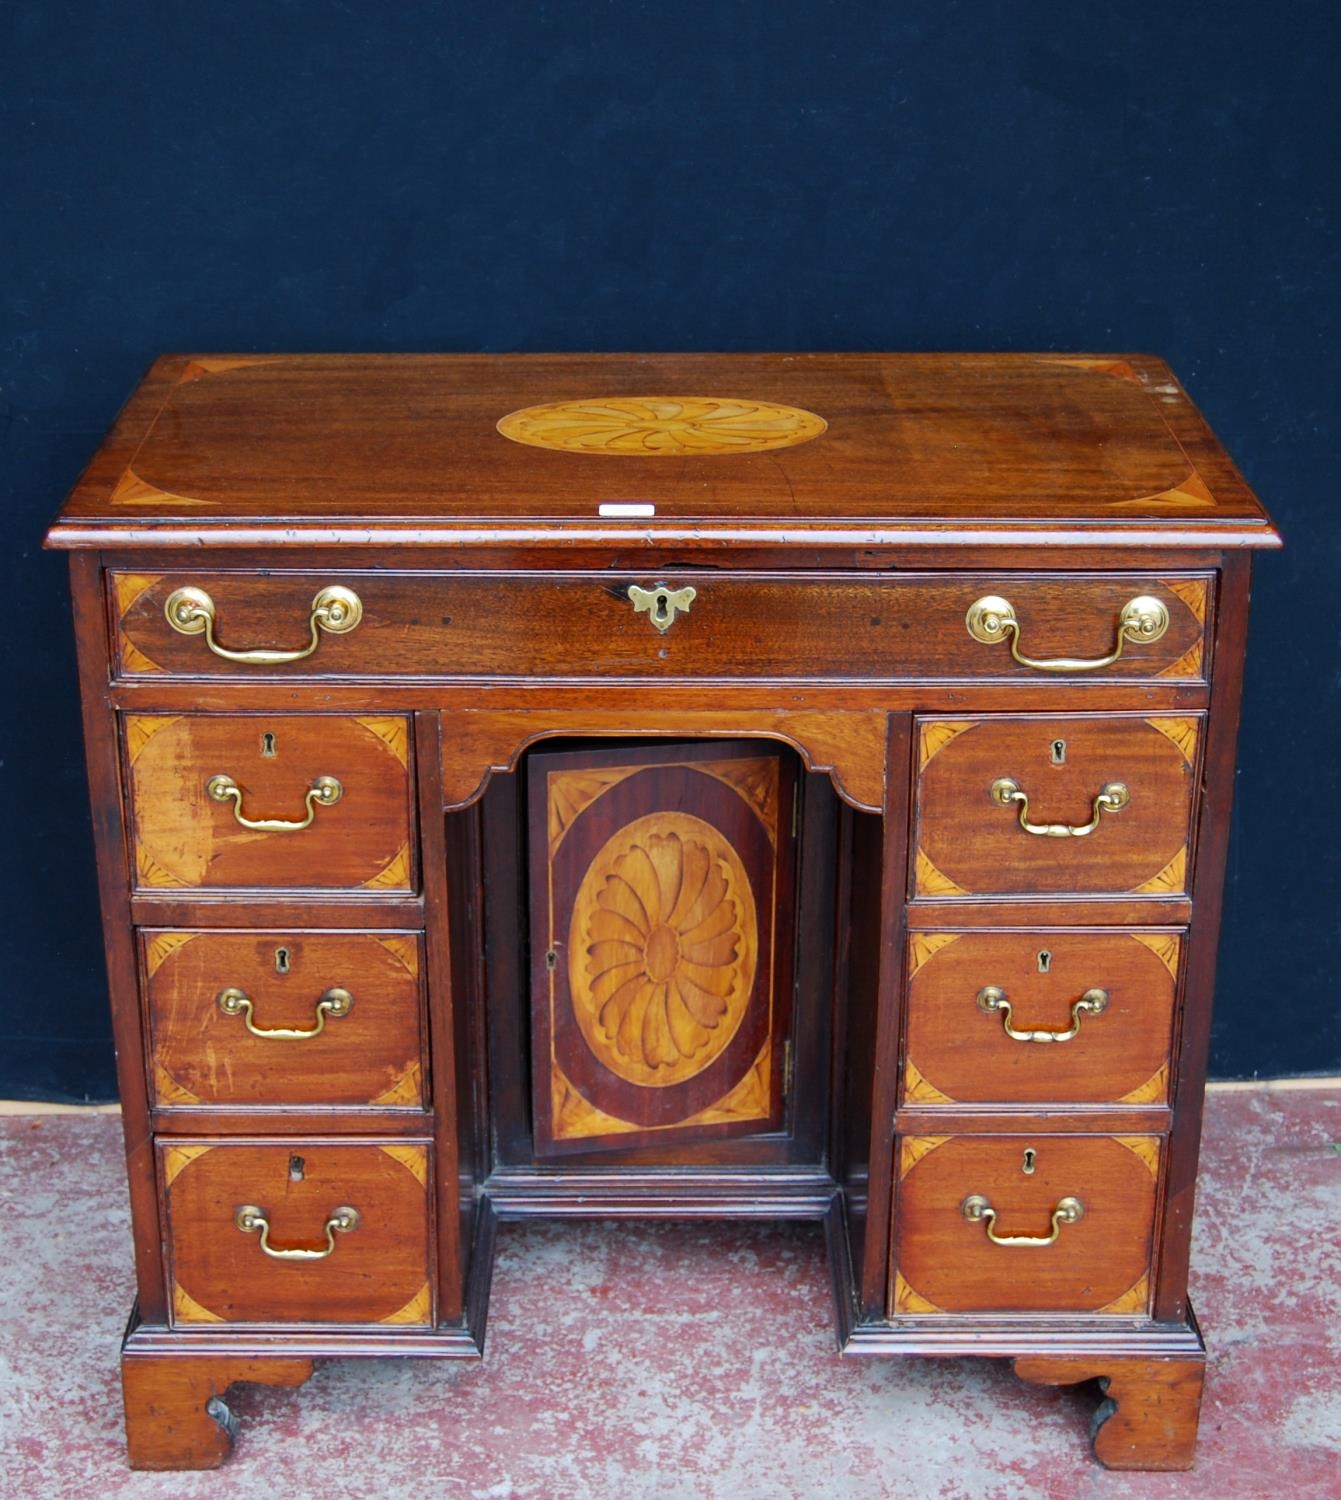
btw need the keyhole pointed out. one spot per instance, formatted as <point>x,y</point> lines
<point>297,1166</point>
<point>1059,752</point>
<point>1044,960</point>
<point>661,606</point>
<point>281,960</point>
<point>268,745</point>
<point>1030,1156</point>
<point>551,960</point>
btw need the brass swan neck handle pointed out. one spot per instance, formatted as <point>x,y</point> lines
<point>1112,797</point>
<point>334,1003</point>
<point>325,791</point>
<point>336,609</point>
<point>992,999</point>
<point>990,619</point>
<point>978,1210</point>
<point>252,1220</point>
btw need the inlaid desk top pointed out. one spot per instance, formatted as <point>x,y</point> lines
<point>815,449</point>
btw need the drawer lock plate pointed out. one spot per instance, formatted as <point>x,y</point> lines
<point>661,604</point>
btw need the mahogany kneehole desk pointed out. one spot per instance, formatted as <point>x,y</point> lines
<point>766,786</point>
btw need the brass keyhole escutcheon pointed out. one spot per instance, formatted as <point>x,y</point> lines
<point>662,604</point>
<point>268,745</point>
<point>1058,752</point>
<point>1030,1158</point>
<point>1044,961</point>
<point>281,960</point>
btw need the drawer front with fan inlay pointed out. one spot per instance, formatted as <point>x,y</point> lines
<point>709,623</point>
<point>1048,1223</point>
<point>271,801</point>
<point>263,1019</point>
<point>1040,1017</point>
<point>1059,805</point>
<point>308,1232</point>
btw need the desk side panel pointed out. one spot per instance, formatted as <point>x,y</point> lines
<point>107,800</point>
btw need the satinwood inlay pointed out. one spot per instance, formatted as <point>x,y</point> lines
<point>663,949</point>
<point>661,426</point>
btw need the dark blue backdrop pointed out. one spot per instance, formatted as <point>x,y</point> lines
<point>912,174</point>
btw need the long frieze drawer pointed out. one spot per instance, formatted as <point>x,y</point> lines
<point>676,624</point>
<point>1039,1017</point>
<point>1047,1223</point>
<point>298,1233</point>
<point>1084,804</point>
<point>270,801</point>
<point>243,1020</point>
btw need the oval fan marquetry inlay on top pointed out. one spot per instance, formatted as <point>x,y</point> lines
<point>664,946</point>
<point>662,426</point>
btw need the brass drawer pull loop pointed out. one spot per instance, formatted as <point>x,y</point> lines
<point>991,619</point>
<point>190,611</point>
<point>325,791</point>
<point>1112,797</point>
<point>334,1003</point>
<point>991,998</point>
<point>252,1220</point>
<point>977,1209</point>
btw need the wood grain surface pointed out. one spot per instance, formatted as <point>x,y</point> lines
<point>945,1262</point>
<point>202,1056</point>
<point>847,627</point>
<point>975,441</point>
<point>1150,1409</point>
<point>958,1053</point>
<point>659,991</point>
<point>176,1417</point>
<point>184,838</point>
<point>380,1272</point>
<point>969,844</point>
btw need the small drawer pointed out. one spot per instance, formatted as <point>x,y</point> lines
<point>1044,1223</point>
<point>1039,1018</point>
<point>244,1020</point>
<point>1086,804</point>
<point>664,624</point>
<point>271,801</point>
<point>298,1232</point>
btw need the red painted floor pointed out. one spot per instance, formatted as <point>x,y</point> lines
<point>684,1361</point>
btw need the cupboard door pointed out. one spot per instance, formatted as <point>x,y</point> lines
<point>662,883</point>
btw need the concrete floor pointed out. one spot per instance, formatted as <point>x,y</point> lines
<point>684,1360</point>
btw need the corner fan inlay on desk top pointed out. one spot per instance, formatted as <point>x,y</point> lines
<point>524,788</point>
